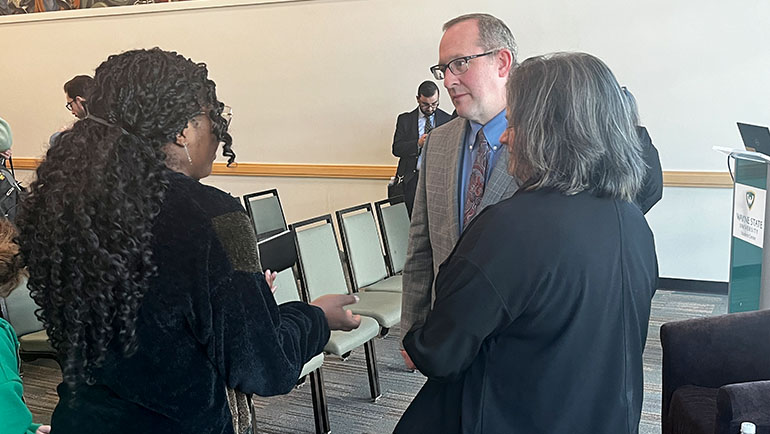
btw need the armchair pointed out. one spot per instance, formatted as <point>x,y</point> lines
<point>716,374</point>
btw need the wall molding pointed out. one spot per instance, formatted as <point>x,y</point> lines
<point>697,179</point>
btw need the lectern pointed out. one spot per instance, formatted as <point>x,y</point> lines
<point>749,287</point>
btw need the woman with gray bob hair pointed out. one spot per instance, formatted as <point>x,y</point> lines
<point>542,309</point>
<point>574,129</point>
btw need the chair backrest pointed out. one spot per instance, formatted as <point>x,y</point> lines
<point>320,267</point>
<point>264,209</point>
<point>21,311</point>
<point>361,242</point>
<point>286,287</point>
<point>394,226</point>
<point>278,252</point>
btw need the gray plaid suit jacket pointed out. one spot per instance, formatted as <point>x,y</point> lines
<point>435,226</point>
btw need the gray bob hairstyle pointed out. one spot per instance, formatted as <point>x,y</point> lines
<point>573,129</point>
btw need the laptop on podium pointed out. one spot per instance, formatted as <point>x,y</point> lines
<point>755,137</point>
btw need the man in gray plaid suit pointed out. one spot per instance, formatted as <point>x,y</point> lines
<point>464,167</point>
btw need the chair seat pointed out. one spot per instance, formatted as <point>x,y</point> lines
<point>389,284</point>
<point>693,410</point>
<point>36,342</point>
<point>385,307</point>
<point>312,364</point>
<point>344,342</point>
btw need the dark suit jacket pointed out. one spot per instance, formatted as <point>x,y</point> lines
<point>405,141</point>
<point>539,322</point>
<point>652,187</point>
<point>405,146</point>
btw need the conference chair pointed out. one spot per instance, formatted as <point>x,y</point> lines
<point>394,227</point>
<point>280,253</point>
<point>266,213</point>
<point>364,259</point>
<point>19,310</point>
<point>286,291</point>
<point>716,373</point>
<point>321,273</point>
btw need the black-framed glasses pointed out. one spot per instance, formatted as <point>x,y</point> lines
<point>220,118</point>
<point>227,115</point>
<point>69,105</point>
<point>457,66</point>
<point>429,104</point>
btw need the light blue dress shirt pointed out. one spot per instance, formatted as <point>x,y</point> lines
<point>492,131</point>
<point>421,130</point>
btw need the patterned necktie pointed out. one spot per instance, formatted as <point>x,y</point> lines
<point>477,179</point>
<point>428,125</point>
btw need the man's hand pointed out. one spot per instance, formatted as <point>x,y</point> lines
<point>408,361</point>
<point>421,141</point>
<point>43,429</point>
<point>337,317</point>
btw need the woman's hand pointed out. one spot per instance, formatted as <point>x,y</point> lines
<point>338,317</point>
<point>270,277</point>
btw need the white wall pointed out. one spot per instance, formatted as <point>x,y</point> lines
<point>322,82</point>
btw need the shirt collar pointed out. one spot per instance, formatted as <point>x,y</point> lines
<point>492,130</point>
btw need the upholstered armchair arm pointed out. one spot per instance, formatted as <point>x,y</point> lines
<point>743,402</point>
<point>714,351</point>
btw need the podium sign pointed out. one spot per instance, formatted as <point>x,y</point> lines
<point>749,214</point>
<point>749,269</point>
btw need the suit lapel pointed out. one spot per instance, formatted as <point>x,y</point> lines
<point>414,125</point>
<point>454,161</point>
<point>500,181</point>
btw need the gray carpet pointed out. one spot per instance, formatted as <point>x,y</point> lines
<point>347,389</point>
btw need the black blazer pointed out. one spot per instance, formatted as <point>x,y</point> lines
<point>405,141</point>
<point>539,322</point>
<point>652,187</point>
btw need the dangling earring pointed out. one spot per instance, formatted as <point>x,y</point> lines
<point>187,152</point>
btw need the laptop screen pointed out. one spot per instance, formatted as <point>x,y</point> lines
<point>755,137</point>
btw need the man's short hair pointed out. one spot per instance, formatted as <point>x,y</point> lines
<point>79,86</point>
<point>427,89</point>
<point>493,33</point>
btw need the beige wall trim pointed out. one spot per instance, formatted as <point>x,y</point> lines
<point>360,171</point>
<point>26,163</point>
<point>306,170</point>
<point>697,179</point>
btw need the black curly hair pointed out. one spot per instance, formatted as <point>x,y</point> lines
<point>86,226</point>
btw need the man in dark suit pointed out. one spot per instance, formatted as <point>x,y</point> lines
<point>412,129</point>
<point>652,188</point>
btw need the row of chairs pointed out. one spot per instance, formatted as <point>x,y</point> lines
<point>310,247</point>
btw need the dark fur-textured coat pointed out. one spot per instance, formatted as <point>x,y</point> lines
<point>208,321</point>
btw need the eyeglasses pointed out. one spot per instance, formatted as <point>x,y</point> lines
<point>429,104</point>
<point>69,105</point>
<point>227,115</point>
<point>220,118</point>
<point>457,66</point>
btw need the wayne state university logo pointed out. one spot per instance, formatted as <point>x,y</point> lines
<point>750,198</point>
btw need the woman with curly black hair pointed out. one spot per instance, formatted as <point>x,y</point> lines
<point>148,281</point>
